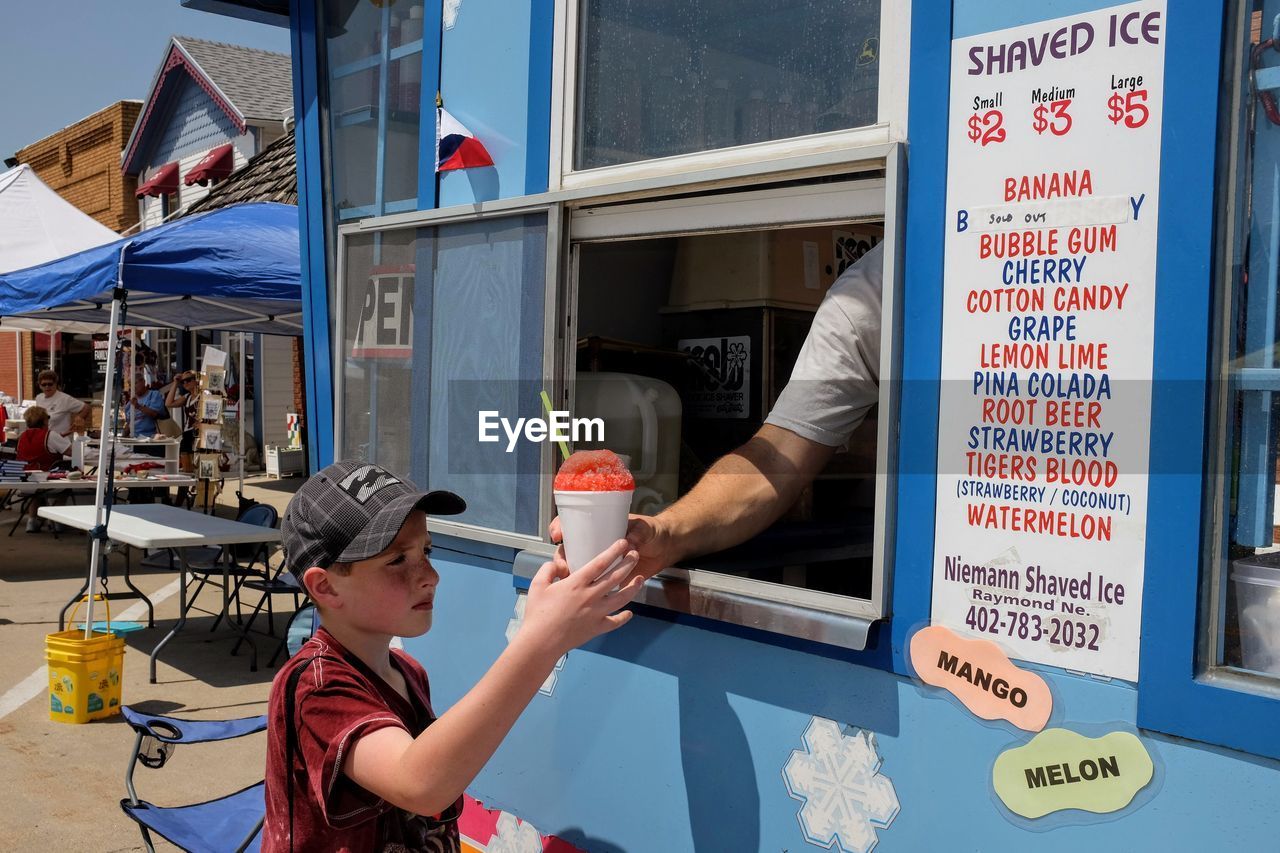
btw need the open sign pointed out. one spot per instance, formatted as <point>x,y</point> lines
<point>385,327</point>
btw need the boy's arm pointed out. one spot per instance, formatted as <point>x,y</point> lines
<point>426,774</point>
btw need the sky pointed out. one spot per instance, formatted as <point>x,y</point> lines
<point>63,60</point>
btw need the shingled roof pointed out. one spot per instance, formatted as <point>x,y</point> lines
<point>271,175</point>
<point>257,82</point>
<point>247,84</point>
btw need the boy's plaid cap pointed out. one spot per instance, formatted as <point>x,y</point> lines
<point>351,511</point>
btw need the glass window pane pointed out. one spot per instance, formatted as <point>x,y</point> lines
<point>441,324</point>
<point>373,60</point>
<point>1244,605</point>
<point>664,78</point>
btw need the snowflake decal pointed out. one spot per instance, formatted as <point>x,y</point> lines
<point>514,836</point>
<point>517,619</point>
<point>837,777</point>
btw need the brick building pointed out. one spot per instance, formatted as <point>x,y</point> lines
<point>81,163</point>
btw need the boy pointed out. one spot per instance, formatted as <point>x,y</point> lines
<point>356,759</point>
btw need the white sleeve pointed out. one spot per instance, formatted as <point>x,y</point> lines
<point>57,442</point>
<point>836,378</point>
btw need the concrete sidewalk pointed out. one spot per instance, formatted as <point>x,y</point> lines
<point>65,782</point>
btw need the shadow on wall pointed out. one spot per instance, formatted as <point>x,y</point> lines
<point>485,185</point>
<point>720,764</point>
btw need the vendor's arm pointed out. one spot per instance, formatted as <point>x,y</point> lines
<point>426,774</point>
<point>739,496</point>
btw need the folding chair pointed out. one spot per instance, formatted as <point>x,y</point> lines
<point>247,561</point>
<point>229,823</point>
<point>283,583</point>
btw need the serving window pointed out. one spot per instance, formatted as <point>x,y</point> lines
<point>684,319</point>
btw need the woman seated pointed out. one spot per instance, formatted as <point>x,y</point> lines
<point>41,448</point>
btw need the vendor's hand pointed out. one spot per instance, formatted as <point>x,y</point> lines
<point>567,609</point>
<point>647,535</point>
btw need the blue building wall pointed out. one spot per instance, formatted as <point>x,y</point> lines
<point>674,734</point>
<point>670,737</point>
<point>496,80</point>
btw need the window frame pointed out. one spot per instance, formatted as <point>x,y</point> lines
<point>426,49</point>
<point>891,125</point>
<point>786,207</point>
<point>789,613</point>
<point>550,347</point>
<point>1178,693</point>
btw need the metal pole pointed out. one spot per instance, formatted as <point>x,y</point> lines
<point>133,381</point>
<point>22,385</point>
<point>242,383</point>
<point>105,458</point>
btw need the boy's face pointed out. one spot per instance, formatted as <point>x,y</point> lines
<point>391,593</point>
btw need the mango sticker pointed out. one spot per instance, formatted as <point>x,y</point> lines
<point>1060,769</point>
<point>981,676</point>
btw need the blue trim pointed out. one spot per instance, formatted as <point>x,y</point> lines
<point>428,197</point>
<point>921,325</point>
<point>272,12</point>
<point>311,229</point>
<point>537,150</point>
<point>1170,698</point>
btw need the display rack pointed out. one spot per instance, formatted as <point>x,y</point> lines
<point>86,451</point>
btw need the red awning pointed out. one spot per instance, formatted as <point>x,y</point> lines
<point>215,166</point>
<point>163,182</point>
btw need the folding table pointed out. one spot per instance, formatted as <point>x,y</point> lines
<point>161,526</point>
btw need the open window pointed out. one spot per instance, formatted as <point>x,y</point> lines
<point>685,317</point>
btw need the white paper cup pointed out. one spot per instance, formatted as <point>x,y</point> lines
<point>591,522</point>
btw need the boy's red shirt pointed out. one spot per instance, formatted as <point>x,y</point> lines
<point>337,700</point>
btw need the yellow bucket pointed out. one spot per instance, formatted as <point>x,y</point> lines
<point>84,675</point>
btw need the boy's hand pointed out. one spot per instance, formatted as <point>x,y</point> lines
<point>567,609</point>
<point>647,535</point>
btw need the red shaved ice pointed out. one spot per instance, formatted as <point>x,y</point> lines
<point>594,471</point>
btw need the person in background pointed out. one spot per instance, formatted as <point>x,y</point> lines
<point>41,448</point>
<point>145,405</point>
<point>60,406</point>
<point>184,393</point>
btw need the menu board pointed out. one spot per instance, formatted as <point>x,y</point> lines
<point>1048,324</point>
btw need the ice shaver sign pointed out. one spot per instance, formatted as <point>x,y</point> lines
<point>723,370</point>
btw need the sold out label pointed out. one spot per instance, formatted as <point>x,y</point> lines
<point>982,677</point>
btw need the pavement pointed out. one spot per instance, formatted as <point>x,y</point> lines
<point>65,781</point>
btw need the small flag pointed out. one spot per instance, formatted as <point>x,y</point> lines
<point>457,147</point>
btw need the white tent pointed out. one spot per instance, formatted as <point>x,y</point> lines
<point>36,226</point>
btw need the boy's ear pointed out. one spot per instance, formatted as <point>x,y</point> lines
<point>319,585</point>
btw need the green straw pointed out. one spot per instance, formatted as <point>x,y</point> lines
<point>546,404</point>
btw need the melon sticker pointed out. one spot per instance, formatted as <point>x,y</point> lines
<point>1060,769</point>
<point>982,677</point>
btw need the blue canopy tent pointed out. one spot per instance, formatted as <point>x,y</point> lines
<point>236,268</point>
